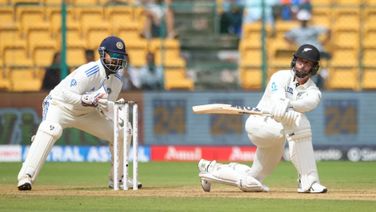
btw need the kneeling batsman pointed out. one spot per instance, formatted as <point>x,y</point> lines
<point>288,95</point>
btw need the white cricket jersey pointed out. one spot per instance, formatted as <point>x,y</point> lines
<point>86,78</point>
<point>282,84</point>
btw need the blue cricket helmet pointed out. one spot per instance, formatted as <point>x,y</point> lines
<point>116,49</point>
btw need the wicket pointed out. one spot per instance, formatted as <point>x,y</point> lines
<point>121,116</point>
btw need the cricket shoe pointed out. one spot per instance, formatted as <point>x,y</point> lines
<point>315,188</point>
<point>121,185</point>
<point>203,166</point>
<point>24,184</point>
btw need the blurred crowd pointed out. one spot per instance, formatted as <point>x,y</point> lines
<point>235,13</point>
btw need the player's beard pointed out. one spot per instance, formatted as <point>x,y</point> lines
<point>302,76</point>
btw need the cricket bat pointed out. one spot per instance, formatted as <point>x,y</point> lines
<point>227,109</point>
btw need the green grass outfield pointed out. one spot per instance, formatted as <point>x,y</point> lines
<point>174,186</point>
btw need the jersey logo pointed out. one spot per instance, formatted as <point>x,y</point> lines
<point>299,94</point>
<point>307,49</point>
<point>289,90</point>
<point>274,87</point>
<point>73,83</point>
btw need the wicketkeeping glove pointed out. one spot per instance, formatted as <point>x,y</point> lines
<point>91,99</point>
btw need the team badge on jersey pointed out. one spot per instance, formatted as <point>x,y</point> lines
<point>73,83</point>
<point>274,87</point>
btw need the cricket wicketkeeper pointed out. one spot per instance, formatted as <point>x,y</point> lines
<point>79,101</point>
<point>288,95</point>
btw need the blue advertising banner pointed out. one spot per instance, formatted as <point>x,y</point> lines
<point>342,118</point>
<point>87,154</point>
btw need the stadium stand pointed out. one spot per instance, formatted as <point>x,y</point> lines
<point>24,79</point>
<point>369,78</point>
<point>343,78</point>
<point>30,32</point>
<point>177,79</point>
<point>137,50</point>
<point>250,78</point>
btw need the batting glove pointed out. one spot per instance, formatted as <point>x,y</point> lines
<point>290,118</point>
<point>279,109</point>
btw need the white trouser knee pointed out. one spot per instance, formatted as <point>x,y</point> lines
<point>48,133</point>
<point>264,131</point>
<point>268,136</point>
<point>301,153</point>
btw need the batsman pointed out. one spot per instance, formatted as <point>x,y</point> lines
<point>288,95</point>
<point>79,101</point>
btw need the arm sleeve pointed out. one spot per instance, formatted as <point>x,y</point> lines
<point>276,86</point>
<point>77,85</point>
<point>307,102</point>
<point>71,97</point>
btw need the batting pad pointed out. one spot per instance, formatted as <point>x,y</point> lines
<point>48,133</point>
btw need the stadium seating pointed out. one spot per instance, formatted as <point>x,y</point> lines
<point>24,1</point>
<point>54,16</point>
<point>369,78</point>
<point>251,57</point>
<point>158,44</point>
<point>346,37</point>
<point>39,36</point>
<point>322,3</point>
<point>91,17</point>
<point>346,18</point>
<point>129,31</point>
<point>9,34</point>
<point>137,50</point>
<point>369,37</point>
<point>322,16</point>
<point>251,32</point>
<point>118,15</point>
<point>29,17</point>
<point>169,58</point>
<point>343,78</point>
<point>31,32</point>
<point>95,35</point>
<point>16,54</point>
<point>5,83</point>
<point>24,79</point>
<point>280,54</point>
<point>175,79</point>
<point>370,17</point>
<point>345,57</point>
<point>167,52</point>
<point>281,27</point>
<point>75,54</point>
<point>6,15</point>
<point>42,55</point>
<point>250,78</point>
<point>347,2</point>
<point>369,57</point>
